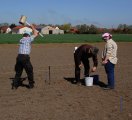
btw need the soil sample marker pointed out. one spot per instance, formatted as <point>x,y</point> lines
<point>49,74</point>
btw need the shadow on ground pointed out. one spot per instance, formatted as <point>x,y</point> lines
<point>96,81</point>
<point>21,84</point>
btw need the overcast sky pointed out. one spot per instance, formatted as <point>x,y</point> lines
<point>102,13</point>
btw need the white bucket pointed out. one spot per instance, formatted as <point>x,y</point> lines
<point>89,81</point>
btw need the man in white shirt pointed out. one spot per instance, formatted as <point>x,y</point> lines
<point>23,59</point>
<point>109,59</point>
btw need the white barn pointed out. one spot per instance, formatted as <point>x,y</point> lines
<point>51,30</point>
<point>21,30</point>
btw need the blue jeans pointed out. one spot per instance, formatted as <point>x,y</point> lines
<point>109,68</point>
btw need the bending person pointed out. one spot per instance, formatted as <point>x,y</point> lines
<point>81,56</point>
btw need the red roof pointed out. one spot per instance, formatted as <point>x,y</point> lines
<point>18,27</point>
<point>4,28</point>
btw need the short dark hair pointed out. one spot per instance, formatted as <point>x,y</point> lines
<point>95,50</point>
<point>25,35</point>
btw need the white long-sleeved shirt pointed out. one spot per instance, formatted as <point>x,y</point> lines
<point>110,51</point>
<point>25,45</point>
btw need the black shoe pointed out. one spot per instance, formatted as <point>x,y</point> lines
<point>108,88</point>
<point>74,82</point>
<point>31,86</point>
<point>16,83</point>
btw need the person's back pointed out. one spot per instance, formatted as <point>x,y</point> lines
<point>83,49</point>
<point>83,52</point>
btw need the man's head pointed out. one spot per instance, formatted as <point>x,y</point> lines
<point>26,34</point>
<point>94,50</point>
<point>106,36</point>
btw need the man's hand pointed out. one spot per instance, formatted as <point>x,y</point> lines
<point>104,62</point>
<point>35,32</point>
<point>93,69</point>
<point>80,66</point>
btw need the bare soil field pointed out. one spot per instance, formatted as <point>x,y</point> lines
<point>54,97</point>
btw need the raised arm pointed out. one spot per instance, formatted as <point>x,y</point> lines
<point>35,32</point>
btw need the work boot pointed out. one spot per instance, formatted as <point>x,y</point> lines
<point>77,82</point>
<point>74,81</point>
<point>16,83</point>
<point>108,88</point>
<point>31,85</point>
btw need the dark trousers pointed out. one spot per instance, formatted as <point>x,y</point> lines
<point>23,62</point>
<point>109,68</point>
<point>85,62</point>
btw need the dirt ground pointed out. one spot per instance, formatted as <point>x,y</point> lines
<point>54,96</point>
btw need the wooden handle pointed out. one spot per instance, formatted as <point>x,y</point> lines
<point>36,30</point>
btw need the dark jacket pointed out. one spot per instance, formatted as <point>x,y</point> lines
<point>84,52</point>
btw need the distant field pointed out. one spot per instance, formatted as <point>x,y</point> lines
<point>66,38</point>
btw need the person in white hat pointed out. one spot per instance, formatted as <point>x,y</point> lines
<point>23,59</point>
<point>109,59</point>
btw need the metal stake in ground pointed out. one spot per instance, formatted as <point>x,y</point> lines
<point>49,75</point>
<point>121,103</point>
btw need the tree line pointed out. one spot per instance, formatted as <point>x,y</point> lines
<point>84,28</point>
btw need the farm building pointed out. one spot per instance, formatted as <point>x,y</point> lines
<point>74,31</point>
<point>21,30</point>
<point>5,29</point>
<point>51,30</point>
